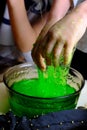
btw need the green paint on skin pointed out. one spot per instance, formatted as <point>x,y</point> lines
<point>52,83</point>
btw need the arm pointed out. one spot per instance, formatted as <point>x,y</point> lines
<point>61,37</point>
<point>23,32</point>
<point>58,10</point>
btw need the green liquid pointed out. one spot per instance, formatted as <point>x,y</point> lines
<point>50,84</point>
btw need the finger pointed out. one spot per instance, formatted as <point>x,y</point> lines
<point>49,45</point>
<point>38,58</point>
<point>38,42</point>
<point>48,60</point>
<point>68,54</point>
<point>40,61</point>
<point>41,41</point>
<point>57,51</point>
<point>43,46</point>
<point>36,48</point>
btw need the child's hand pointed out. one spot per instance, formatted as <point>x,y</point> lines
<point>61,37</point>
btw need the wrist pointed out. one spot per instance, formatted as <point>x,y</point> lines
<point>82,9</point>
<point>81,12</point>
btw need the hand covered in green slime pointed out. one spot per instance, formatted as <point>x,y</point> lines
<point>60,39</point>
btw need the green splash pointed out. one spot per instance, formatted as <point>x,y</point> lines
<point>52,83</point>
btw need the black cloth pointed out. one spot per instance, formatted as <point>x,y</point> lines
<point>79,62</point>
<point>2,8</point>
<point>5,63</point>
<point>32,4</point>
<point>64,120</point>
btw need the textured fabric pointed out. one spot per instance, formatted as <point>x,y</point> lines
<point>63,120</point>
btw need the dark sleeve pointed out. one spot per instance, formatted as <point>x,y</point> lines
<point>2,8</point>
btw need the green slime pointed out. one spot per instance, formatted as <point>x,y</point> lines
<point>48,85</point>
<point>52,83</point>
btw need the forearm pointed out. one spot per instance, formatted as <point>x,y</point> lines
<point>81,11</point>
<point>58,10</point>
<point>39,24</point>
<point>23,32</point>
